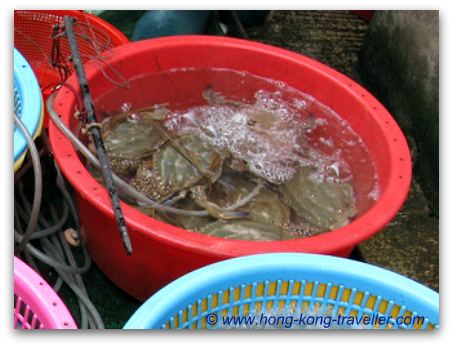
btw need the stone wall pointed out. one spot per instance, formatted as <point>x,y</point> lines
<point>399,63</point>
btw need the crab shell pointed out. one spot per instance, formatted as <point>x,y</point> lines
<point>325,205</point>
<point>242,230</point>
<point>130,138</point>
<point>268,212</point>
<point>169,171</point>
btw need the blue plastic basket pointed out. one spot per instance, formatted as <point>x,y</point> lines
<point>287,285</point>
<point>27,105</point>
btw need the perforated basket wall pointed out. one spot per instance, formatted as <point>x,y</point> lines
<point>27,105</point>
<point>36,305</point>
<point>288,285</point>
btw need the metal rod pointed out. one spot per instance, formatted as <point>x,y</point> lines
<point>96,134</point>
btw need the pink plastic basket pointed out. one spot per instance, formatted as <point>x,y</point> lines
<point>36,305</point>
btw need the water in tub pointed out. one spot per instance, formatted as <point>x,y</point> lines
<point>266,161</point>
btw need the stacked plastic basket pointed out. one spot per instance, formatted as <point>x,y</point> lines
<point>27,105</point>
<point>36,305</point>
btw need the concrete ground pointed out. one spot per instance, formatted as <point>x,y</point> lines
<point>409,245</point>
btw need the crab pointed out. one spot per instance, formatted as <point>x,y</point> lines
<point>130,137</point>
<point>169,171</point>
<point>200,197</point>
<point>268,213</point>
<point>185,222</point>
<point>262,211</point>
<point>324,205</point>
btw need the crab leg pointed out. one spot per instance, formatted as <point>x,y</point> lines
<point>227,212</point>
<point>181,150</point>
<point>200,197</point>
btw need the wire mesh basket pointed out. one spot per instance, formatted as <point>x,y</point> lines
<point>27,105</point>
<point>32,36</point>
<point>273,290</point>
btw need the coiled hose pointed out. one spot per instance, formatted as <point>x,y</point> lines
<point>42,237</point>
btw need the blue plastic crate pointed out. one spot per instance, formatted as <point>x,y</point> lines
<point>289,283</point>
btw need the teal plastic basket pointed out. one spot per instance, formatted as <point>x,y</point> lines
<point>273,290</point>
<point>27,105</point>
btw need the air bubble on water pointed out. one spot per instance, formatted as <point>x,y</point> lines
<point>374,193</point>
<point>300,104</point>
<point>328,142</point>
<point>181,69</point>
<point>239,118</point>
<point>280,84</point>
<point>267,146</point>
<point>267,134</point>
<point>320,121</point>
<point>126,107</point>
<point>133,118</point>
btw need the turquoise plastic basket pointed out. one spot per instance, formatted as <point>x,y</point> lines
<point>288,285</point>
<point>27,104</point>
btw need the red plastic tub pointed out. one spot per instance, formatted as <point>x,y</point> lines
<point>163,252</point>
